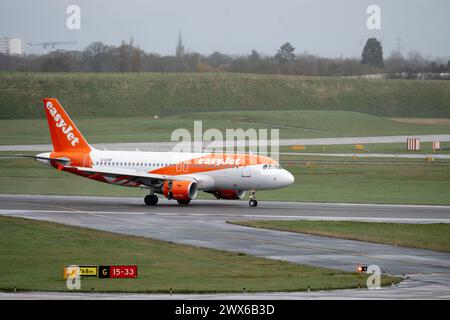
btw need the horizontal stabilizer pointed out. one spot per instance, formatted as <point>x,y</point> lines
<point>62,161</point>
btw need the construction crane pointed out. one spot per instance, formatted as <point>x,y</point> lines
<point>53,44</point>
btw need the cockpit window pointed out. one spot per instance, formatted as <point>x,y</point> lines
<point>271,167</point>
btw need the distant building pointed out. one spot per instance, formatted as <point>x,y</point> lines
<point>179,51</point>
<point>11,46</point>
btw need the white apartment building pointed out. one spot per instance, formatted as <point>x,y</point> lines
<point>11,46</point>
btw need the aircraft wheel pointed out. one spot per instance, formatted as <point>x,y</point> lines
<point>185,202</point>
<point>151,200</point>
<point>253,203</point>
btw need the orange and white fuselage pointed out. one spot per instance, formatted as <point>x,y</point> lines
<point>176,175</point>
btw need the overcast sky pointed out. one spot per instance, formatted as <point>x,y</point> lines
<point>326,27</point>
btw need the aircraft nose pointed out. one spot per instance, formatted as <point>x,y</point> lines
<point>288,178</point>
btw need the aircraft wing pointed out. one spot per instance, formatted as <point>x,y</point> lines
<point>129,175</point>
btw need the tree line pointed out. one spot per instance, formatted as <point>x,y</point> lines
<point>99,57</point>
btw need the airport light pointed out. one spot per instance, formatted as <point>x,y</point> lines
<point>361,268</point>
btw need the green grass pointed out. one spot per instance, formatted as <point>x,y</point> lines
<point>92,95</point>
<point>355,181</point>
<point>423,236</point>
<point>398,181</point>
<point>425,148</point>
<point>292,124</point>
<point>33,254</point>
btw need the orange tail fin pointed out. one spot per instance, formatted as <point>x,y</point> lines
<point>65,135</point>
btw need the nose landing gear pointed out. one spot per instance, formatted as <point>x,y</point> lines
<point>252,202</point>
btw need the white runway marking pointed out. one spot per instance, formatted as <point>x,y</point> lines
<point>250,216</point>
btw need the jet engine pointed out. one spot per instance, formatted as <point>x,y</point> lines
<point>182,191</point>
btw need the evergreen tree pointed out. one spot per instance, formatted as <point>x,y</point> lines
<point>285,53</point>
<point>373,53</point>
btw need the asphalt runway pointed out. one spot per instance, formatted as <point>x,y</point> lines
<point>203,223</point>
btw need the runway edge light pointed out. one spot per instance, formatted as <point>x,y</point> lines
<point>361,268</point>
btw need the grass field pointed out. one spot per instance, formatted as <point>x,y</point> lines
<point>425,148</point>
<point>424,236</point>
<point>389,181</point>
<point>120,108</point>
<point>146,94</point>
<point>331,180</point>
<point>291,124</point>
<point>33,254</point>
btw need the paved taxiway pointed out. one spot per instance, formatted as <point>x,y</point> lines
<point>371,155</point>
<point>203,223</point>
<point>168,146</point>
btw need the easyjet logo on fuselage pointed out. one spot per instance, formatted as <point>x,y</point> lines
<point>220,161</point>
<point>60,123</point>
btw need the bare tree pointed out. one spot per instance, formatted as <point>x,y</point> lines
<point>96,54</point>
<point>136,59</point>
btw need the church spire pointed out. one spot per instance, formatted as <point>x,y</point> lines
<point>180,47</point>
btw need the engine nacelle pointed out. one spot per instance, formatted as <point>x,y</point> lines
<point>180,190</point>
<point>229,194</point>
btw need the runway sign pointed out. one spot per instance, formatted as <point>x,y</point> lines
<point>117,272</point>
<point>85,271</point>
<point>436,145</point>
<point>413,144</point>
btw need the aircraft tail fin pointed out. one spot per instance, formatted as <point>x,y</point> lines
<point>63,131</point>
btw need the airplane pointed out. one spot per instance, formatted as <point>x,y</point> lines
<point>176,175</point>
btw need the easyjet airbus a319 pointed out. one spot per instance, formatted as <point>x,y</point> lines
<point>176,175</point>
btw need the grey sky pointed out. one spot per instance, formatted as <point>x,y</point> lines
<point>325,27</point>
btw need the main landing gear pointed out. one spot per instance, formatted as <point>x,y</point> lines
<point>151,200</point>
<point>252,202</point>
